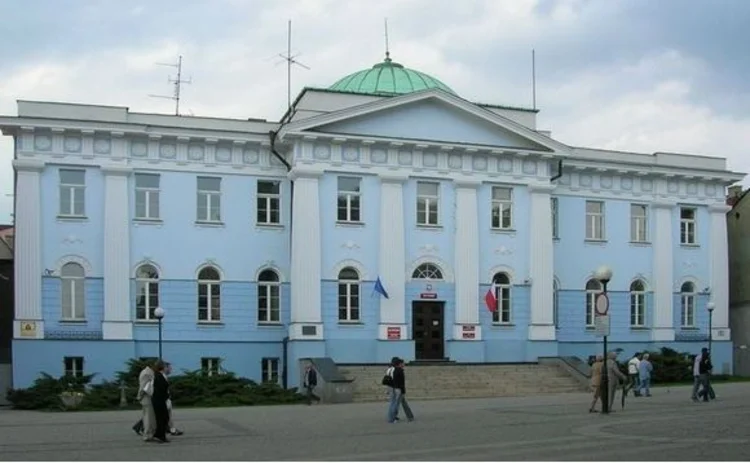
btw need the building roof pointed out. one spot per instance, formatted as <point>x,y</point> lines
<point>388,78</point>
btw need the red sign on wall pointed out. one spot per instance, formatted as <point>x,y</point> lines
<point>394,332</point>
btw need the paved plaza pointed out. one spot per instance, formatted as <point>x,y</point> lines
<point>667,426</point>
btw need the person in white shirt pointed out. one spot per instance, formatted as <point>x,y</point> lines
<point>633,365</point>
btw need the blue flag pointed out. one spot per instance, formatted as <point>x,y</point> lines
<point>379,288</point>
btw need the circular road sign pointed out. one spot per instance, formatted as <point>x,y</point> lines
<point>602,304</point>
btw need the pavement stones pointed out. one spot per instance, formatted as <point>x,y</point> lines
<point>665,427</point>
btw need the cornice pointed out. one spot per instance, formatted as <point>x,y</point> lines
<point>28,165</point>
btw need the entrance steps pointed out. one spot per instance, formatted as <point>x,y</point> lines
<point>458,381</point>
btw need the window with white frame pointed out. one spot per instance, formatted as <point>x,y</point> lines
<point>638,223</point>
<point>269,370</point>
<point>687,225</point>
<point>593,289</point>
<point>147,196</point>
<point>594,220</point>
<point>687,306</point>
<point>502,208</point>
<point>146,292</point>
<point>349,295</point>
<point>349,203</point>
<point>269,287</point>
<point>502,296</point>
<point>637,304</point>
<point>209,295</point>
<point>555,217</point>
<point>427,272</point>
<point>269,202</point>
<point>556,303</point>
<point>428,199</point>
<point>73,278</point>
<point>209,199</point>
<point>211,365</point>
<point>72,193</point>
<point>73,366</point>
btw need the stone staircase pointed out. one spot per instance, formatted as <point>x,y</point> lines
<point>458,381</point>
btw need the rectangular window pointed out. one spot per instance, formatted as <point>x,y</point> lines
<point>688,310</point>
<point>147,196</point>
<point>502,208</point>
<point>554,206</point>
<point>594,220</point>
<point>637,309</point>
<point>73,366</point>
<point>428,199</point>
<point>687,225</point>
<point>269,370</point>
<point>638,223</point>
<point>502,314</point>
<point>209,199</point>
<point>590,307</point>
<point>211,365</point>
<point>269,202</point>
<point>349,204</point>
<point>72,192</point>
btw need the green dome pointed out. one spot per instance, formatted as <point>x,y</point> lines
<point>388,78</point>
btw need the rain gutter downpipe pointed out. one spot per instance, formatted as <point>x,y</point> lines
<point>559,171</point>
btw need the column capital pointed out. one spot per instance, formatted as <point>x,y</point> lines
<point>719,208</point>
<point>663,204</point>
<point>28,165</point>
<point>541,188</point>
<point>393,177</point>
<point>116,169</point>
<point>469,183</point>
<point>304,172</point>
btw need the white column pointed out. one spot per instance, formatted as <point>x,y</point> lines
<point>117,323</point>
<point>392,256</point>
<point>466,255</point>
<point>663,270</point>
<point>541,264</point>
<point>28,323</point>
<point>719,271</point>
<point>305,275</point>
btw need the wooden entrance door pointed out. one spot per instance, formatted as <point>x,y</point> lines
<point>428,331</point>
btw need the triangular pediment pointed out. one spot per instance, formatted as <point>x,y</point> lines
<point>431,116</point>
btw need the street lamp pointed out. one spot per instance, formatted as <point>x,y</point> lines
<point>159,314</point>
<point>710,307</point>
<point>604,275</point>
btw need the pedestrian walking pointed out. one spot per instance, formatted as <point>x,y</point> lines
<point>704,369</point>
<point>633,374</point>
<point>309,382</point>
<point>596,381</point>
<point>159,402</point>
<point>147,424</point>
<point>644,372</point>
<point>614,377</point>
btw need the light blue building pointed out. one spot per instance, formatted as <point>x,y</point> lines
<point>262,241</point>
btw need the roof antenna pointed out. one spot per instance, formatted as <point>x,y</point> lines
<point>177,85</point>
<point>387,48</point>
<point>533,78</point>
<point>290,59</point>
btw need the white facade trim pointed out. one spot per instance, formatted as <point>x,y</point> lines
<point>642,278</point>
<point>274,268</point>
<point>210,263</point>
<point>466,255</point>
<point>501,269</point>
<point>134,270</point>
<point>688,279</point>
<point>663,272</point>
<point>355,264</point>
<point>429,259</point>
<point>719,264</point>
<point>74,259</point>
<point>392,254</point>
<point>541,265</point>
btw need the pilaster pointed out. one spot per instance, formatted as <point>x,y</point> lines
<point>117,323</point>
<point>28,322</point>
<point>392,257</point>
<point>306,318</point>
<point>663,269</point>
<point>466,255</point>
<point>719,267</point>
<point>541,265</point>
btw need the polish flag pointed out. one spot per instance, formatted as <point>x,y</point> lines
<point>490,299</point>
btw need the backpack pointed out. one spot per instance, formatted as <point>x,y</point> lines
<point>388,377</point>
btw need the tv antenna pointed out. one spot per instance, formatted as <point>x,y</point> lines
<point>177,85</point>
<point>290,60</point>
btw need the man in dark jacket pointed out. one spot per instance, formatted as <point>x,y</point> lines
<point>704,370</point>
<point>309,383</point>
<point>399,390</point>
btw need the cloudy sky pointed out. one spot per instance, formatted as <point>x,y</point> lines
<point>640,75</point>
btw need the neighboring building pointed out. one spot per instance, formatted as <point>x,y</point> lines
<point>6,309</point>
<point>738,230</point>
<point>392,176</point>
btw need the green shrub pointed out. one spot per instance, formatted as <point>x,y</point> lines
<point>669,365</point>
<point>190,389</point>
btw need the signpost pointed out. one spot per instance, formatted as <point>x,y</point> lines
<point>601,315</point>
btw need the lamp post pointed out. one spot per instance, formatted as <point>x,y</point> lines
<point>710,307</point>
<point>159,314</point>
<point>604,275</point>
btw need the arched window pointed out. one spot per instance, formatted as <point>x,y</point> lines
<point>556,303</point>
<point>348,295</point>
<point>209,295</point>
<point>637,304</point>
<point>501,283</point>
<point>593,288</point>
<point>269,307</point>
<point>427,272</point>
<point>687,298</point>
<point>146,292</point>
<point>72,277</point>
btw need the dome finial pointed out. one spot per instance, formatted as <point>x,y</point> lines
<point>387,49</point>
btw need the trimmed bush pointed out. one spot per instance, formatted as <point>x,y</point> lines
<point>190,389</point>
